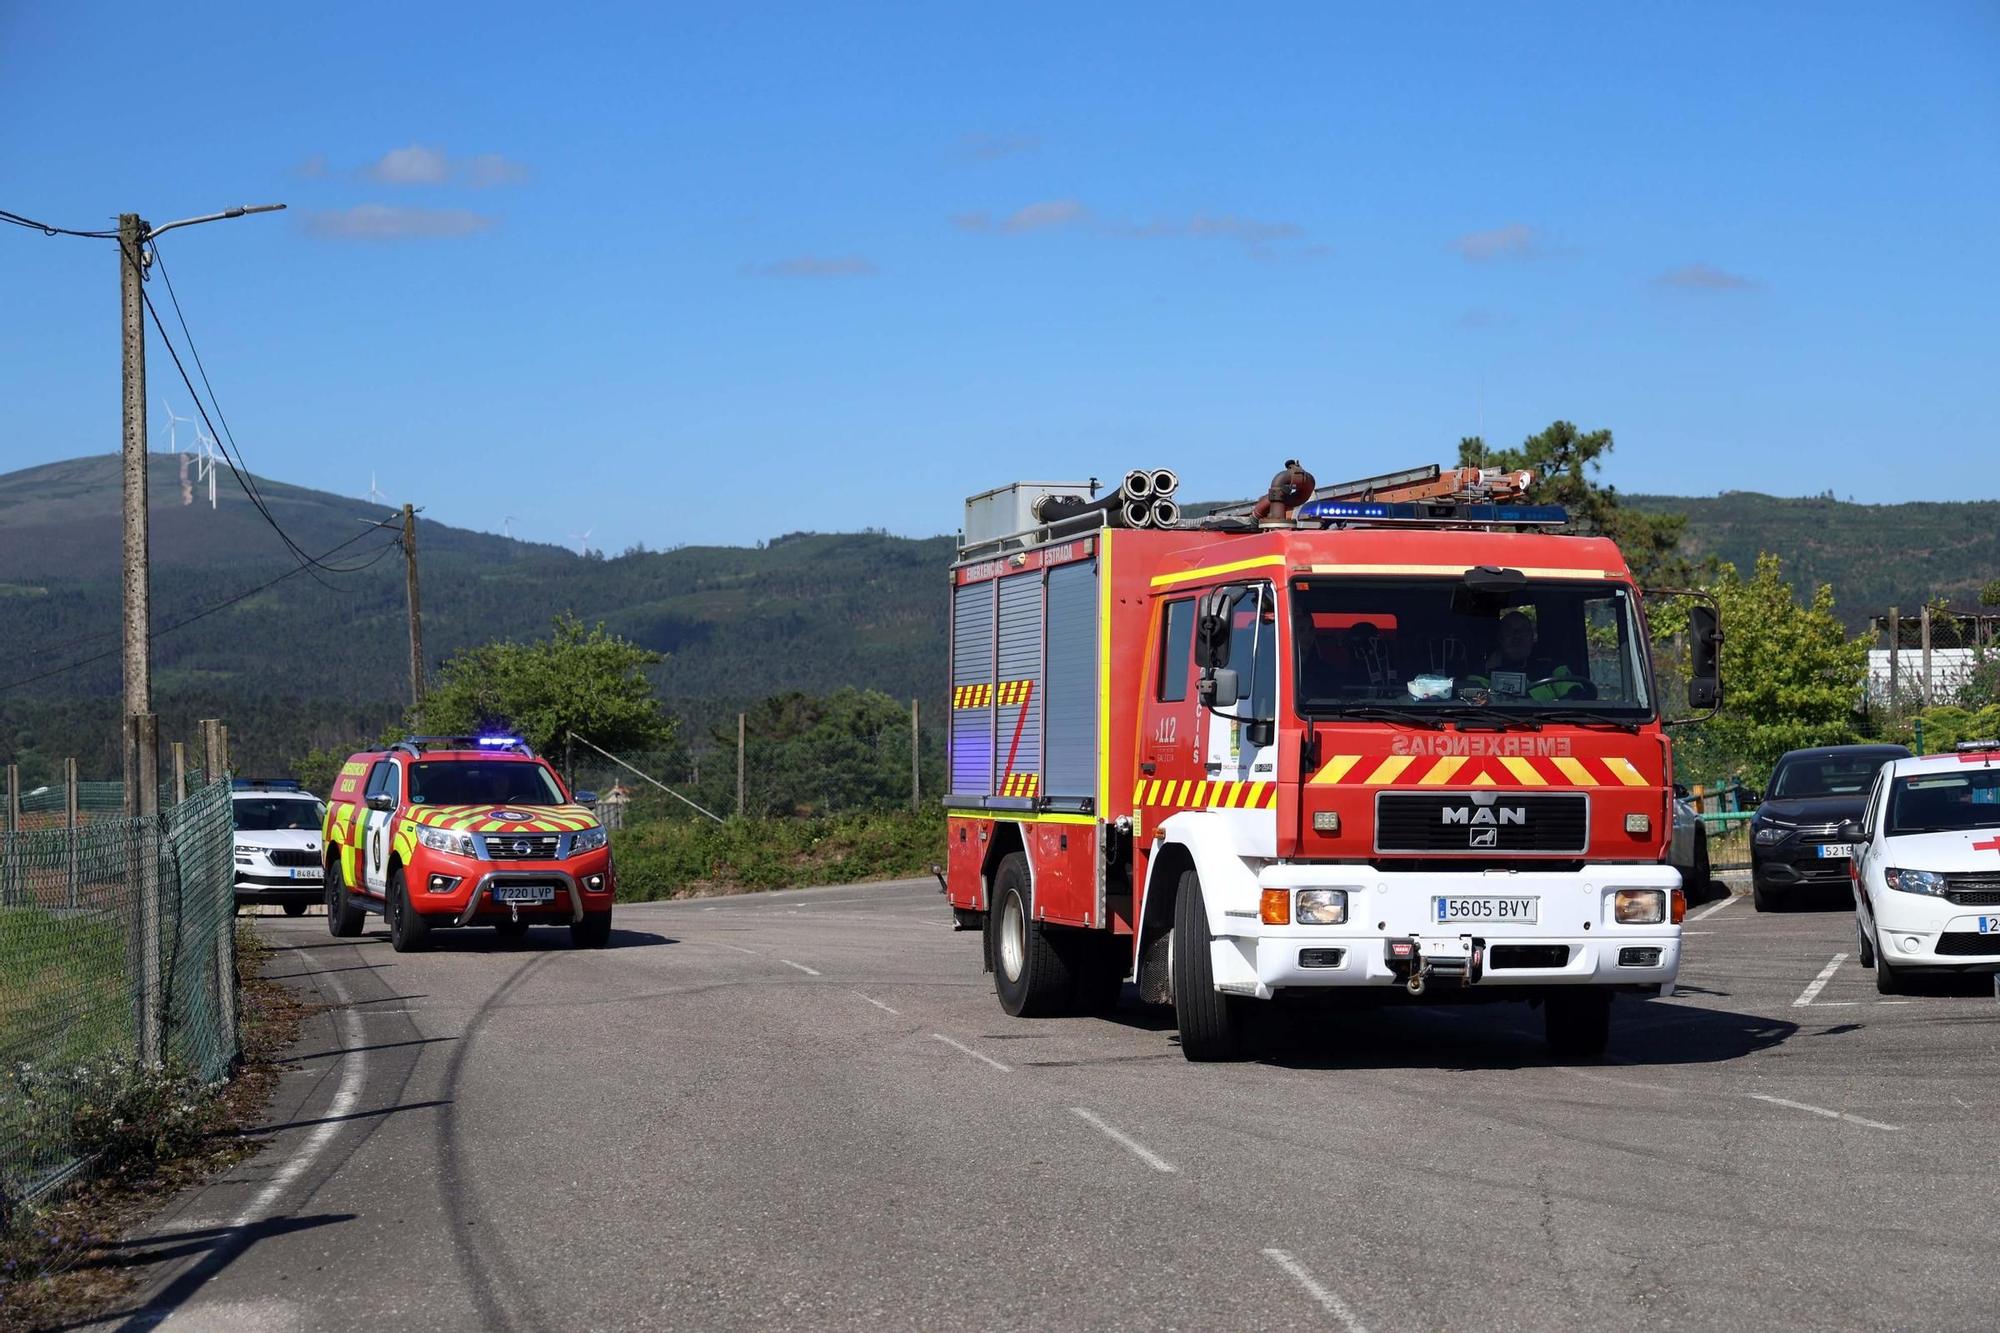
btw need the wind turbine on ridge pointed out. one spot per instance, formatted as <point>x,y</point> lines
<point>174,447</point>
<point>375,495</point>
<point>582,540</point>
<point>205,456</point>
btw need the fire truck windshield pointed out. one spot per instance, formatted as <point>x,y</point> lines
<point>494,782</point>
<point>1442,643</point>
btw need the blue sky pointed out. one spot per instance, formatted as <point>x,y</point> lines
<point>687,274</point>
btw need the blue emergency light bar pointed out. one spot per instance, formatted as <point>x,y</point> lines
<point>1376,511</point>
<point>500,740</point>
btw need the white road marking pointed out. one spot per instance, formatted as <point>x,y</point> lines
<point>1123,1140</point>
<point>1895,1002</point>
<point>879,1005</point>
<point>1710,910</point>
<point>1328,1302</point>
<point>1818,983</point>
<point>316,1139</point>
<point>1821,1110</point>
<point>961,1046</point>
<point>800,966</point>
<point>756,953</point>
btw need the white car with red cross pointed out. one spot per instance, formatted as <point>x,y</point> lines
<point>1926,866</point>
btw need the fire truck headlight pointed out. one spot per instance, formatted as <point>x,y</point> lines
<point>1640,907</point>
<point>1322,907</point>
<point>444,840</point>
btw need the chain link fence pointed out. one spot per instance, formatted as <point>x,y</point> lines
<point>117,957</point>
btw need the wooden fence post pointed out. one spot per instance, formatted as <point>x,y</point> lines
<point>73,822</point>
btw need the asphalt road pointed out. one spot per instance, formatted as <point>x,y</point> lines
<point>807,1109</point>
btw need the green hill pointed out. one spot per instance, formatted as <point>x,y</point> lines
<point>1875,556</point>
<point>317,662</point>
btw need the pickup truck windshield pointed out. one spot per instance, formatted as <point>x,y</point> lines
<point>1945,802</point>
<point>496,783</point>
<point>1445,644</point>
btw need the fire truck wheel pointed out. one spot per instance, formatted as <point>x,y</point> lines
<point>593,932</point>
<point>1211,1023</point>
<point>1577,1023</point>
<point>408,930</point>
<point>1030,974</point>
<point>343,918</point>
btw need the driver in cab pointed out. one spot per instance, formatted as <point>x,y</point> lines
<point>1516,668</point>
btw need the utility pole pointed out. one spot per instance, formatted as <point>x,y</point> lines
<point>740,734</point>
<point>142,769</point>
<point>916,793</point>
<point>416,607</point>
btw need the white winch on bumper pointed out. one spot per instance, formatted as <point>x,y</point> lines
<point>1498,929</point>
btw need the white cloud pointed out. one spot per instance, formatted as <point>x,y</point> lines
<point>815,266</point>
<point>420,164</point>
<point>1707,278</point>
<point>387,222</point>
<point>1262,238</point>
<point>415,165</point>
<point>1042,216</point>
<point>314,167</point>
<point>1516,240</point>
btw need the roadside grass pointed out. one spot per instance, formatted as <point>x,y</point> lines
<point>685,858</point>
<point>62,1263</point>
<point>62,986</point>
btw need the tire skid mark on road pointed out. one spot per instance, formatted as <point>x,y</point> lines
<point>977,1055</point>
<point>487,1270</point>
<point>811,972</point>
<point>1326,1300</point>
<point>1123,1140</point>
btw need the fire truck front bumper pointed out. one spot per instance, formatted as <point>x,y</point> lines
<point>1322,926</point>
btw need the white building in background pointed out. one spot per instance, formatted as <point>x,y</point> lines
<point>1951,670</point>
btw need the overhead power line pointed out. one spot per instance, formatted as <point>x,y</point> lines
<point>381,554</point>
<point>48,230</point>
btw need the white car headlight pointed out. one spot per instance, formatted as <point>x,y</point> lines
<point>1321,907</point>
<point>587,841</point>
<point>445,840</point>
<point>1916,881</point>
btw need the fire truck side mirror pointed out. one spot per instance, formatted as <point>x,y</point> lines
<point>1218,687</point>
<point>1705,666</point>
<point>1212,627</point>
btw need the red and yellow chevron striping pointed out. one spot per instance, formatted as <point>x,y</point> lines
<point>1020,784</point>
<point>1012,692</point>
<point>1170,794</point>
<point>480,818</point>
<point>1458,770</point>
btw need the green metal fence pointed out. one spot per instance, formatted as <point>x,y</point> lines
<point>117,954</point>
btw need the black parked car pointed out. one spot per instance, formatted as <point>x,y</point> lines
<point>1795,844</point>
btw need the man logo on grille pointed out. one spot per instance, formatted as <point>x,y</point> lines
<point>1485,816</point>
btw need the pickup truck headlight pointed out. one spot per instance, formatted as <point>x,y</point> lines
<point>1767,834</point>
<point>444,840</point>
<point>1321,907</point>
<point>587,841</point>
<point>1916,881</point>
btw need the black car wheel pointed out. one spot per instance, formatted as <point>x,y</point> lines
<point>343,916</point>
<point>1766,899</point>
<point>409,929</point>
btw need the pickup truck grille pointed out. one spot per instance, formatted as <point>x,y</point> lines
<point>1454,823</point>
<point>521,846</point>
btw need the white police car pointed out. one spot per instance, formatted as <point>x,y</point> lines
<point>278,859</point>
<point>1926,867</point>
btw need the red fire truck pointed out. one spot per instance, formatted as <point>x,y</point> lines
<point>1378,749</point>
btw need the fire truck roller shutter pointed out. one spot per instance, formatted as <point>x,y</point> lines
<point>1019,693</point>
<point>1071,712</point>
<point>971,678</point>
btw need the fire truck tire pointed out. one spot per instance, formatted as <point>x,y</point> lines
<point>409,931</point>
<point>593,932</point>
<point>1030,973</point>
<point>343,916</point>
<point>1577,1023</point>
<point>1211,1023</point>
